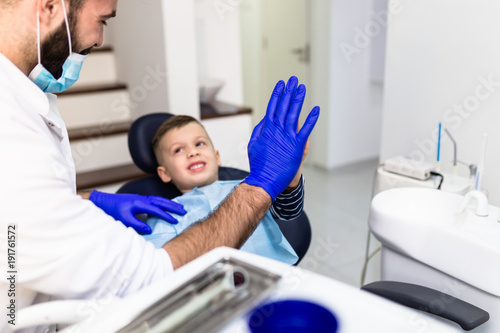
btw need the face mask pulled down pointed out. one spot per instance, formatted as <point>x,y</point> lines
<point>71,67</point>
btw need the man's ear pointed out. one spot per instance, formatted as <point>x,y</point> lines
<point>163,174</point>
<point>218,157</point>
<point>51,14</point>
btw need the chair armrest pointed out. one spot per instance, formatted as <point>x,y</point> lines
<point>432,301</point>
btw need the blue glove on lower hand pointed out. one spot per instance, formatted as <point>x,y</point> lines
<point>124,207</point>
<point>275,149</point>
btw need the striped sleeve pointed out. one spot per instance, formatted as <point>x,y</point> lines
<point>288,206</point>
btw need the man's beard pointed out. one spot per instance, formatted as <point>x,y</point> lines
<point>55,48</point>
<point>55,51</point>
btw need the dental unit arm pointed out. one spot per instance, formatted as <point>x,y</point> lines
<point>422,298</point>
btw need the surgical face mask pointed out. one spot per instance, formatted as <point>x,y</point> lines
<point>71,67</point>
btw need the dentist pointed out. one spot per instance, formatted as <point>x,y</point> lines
<point>65,246</point>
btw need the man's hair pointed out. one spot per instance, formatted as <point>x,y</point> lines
<point>176,121</point>
<point>74,7</point>
<point>74,4</point>
<point>4,4</point>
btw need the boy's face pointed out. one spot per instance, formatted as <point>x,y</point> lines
<point>188,158</point>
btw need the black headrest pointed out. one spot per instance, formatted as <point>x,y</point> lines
<point>140,139</point>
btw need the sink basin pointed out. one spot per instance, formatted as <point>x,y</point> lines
<point>208,90</point>
<point>425,224</point>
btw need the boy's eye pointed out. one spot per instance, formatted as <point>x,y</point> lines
<point>104,22</point>
<point>177,150</point>
<point>201,143</point>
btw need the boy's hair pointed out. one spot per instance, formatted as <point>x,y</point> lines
<point>176,121</point>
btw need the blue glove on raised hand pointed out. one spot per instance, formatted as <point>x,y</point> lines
<point>124,207</point>
<point>275,149</point>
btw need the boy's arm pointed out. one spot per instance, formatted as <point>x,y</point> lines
<point>298,176</point>
<point>288,206</point>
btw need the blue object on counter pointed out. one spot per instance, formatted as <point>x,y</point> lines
<point>292,316</point>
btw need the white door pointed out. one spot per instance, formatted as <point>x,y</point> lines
<point>285,44</point>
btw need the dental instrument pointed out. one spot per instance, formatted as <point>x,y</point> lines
<point>454,170</point>
<point>480,168</point>
<point>438,162</point>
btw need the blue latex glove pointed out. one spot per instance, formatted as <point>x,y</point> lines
<point>124,207</point>
<point>275,149</point>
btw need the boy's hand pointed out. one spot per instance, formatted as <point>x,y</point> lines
<point>295,182</point>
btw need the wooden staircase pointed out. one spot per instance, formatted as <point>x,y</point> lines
<point>97,114</point>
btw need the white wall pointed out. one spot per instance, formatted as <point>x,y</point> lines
<point>318,91</point>
<point>180,44</point>
<point>348,130</point>
<point>440,56</point>
<point>219,46</point>
<point>251,54</point>
<point>139,51</point>
<point>233,152</point>
<point>377,47</point>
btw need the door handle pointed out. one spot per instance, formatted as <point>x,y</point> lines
<point>304,53</point>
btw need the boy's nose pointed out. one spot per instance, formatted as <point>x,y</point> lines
<point>193,152</point>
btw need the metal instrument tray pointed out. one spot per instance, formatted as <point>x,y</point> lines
<point>209,300</point>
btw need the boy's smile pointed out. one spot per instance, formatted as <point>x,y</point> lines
<point>197,166</point>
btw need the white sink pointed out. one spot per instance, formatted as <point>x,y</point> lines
<point>424,224</point>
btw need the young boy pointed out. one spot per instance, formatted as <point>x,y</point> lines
<point>187,158</point>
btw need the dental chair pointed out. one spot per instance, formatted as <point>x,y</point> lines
<point>140,136</point>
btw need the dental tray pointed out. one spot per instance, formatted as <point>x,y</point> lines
<point>205,303</point>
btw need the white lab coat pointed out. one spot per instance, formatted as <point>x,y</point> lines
<point>66,247</point>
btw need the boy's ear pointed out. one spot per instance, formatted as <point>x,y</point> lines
<point>163,174</point>
<point>218,157</point>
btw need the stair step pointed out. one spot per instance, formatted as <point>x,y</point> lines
<point>97,152</point>
<point>98,68</point>
<point>104,48</point>
<point>95,105</point>
<point>221,109</point>
<point>107,42</point>
<point>106,176</point>
<point>93,88</point>
<point>94,131</point>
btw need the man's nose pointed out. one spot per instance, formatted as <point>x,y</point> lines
<point>100,39</point>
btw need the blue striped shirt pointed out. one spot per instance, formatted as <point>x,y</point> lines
<point>288,206</point>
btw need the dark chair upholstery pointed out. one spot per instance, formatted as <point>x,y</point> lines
<point>297,231</point>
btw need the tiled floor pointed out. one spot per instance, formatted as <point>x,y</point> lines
<point>337,204</point>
